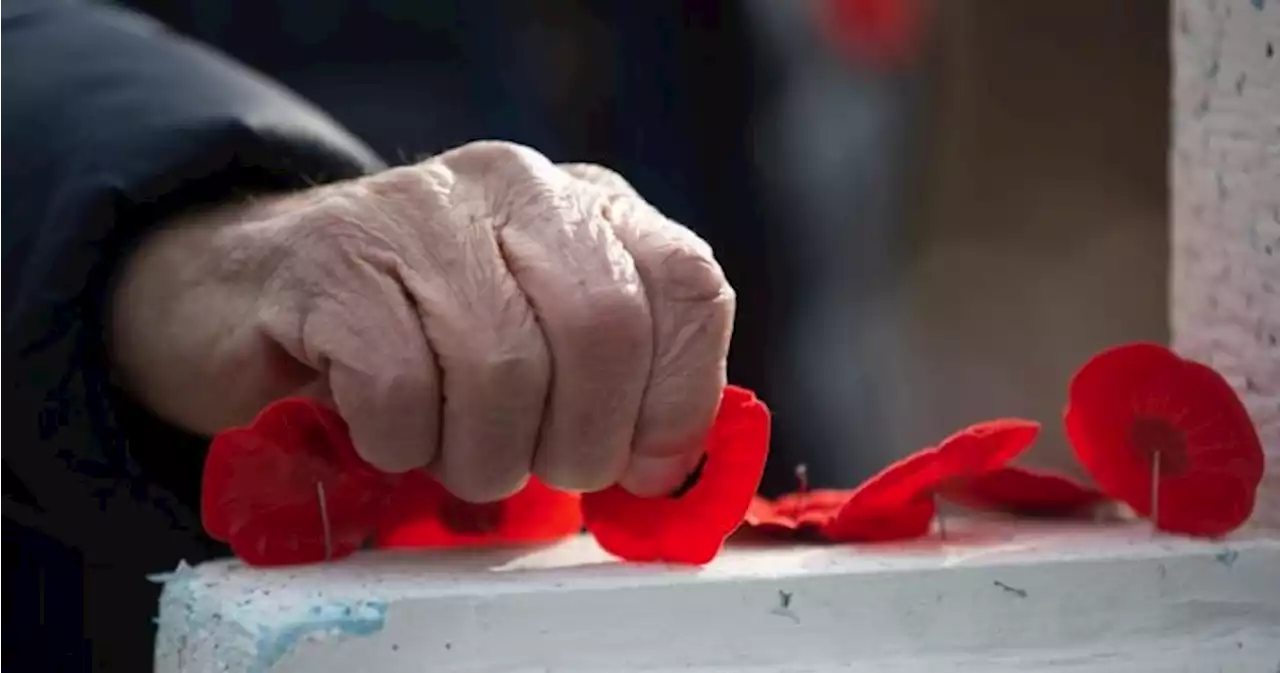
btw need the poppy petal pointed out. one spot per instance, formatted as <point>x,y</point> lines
<point>1018,490</point>
<point>263,486</point>
<point>898,502</point>
<point>279,430</point>
<point>901,483</point>
<point>986,446</point>
<point>217,503</point>
<point>763,515</point>
<point>1224,443</point>
<point>422,514</point>
<point>298,422</point>
<point>1211,505</point>
<point>296,535</point>
<point>1139,408</point>
<point>1101,401</point>
<point>891,505</point>
<point>795,514</point>
<point>858,523</point>
<point>692,527</point>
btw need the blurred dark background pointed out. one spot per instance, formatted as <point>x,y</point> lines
<point>917,243</point>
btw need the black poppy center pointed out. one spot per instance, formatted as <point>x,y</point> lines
<point>1153,437</point>
<point>691,480</point>
<point>461,516</point>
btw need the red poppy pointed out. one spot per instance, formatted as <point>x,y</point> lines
<point>690,527</point>
<point>983,447</point>
<point>1018,490</point>
<point>895,504</point>
<point>1139,413</point>
<point>800,514</point>
<point>898,503</point>
<point>422,514</point>
<point>877,30</point>
<point>886,507</point>
<point>859,523</point>
<point>290,488</point>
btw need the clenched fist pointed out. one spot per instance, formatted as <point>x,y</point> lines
<point>485,314</point>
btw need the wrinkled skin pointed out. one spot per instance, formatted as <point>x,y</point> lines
<point>485,313</point>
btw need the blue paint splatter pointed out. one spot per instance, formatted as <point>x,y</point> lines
<point>363,618</point>
<point>1259,4</point>
<point>1227,557</point>
<point>274,627</point>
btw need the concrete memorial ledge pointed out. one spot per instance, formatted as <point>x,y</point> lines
<point>992,597</point>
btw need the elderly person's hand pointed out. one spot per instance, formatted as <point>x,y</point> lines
<point>485,314</point>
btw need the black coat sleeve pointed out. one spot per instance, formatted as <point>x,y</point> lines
<point>111,122</point>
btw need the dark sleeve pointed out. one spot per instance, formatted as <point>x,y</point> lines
<point>111,122</point>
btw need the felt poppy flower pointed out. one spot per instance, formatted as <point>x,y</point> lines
<point>422,514</point>
<point>690,527</point>
<point>899,502</point>
<point>983,447</point>
<point>1018,490</point>
<point>802,514</point>
<point>892,505</point>
<point>861,522</point>
<point>895,504</point>
<point>880,31</point>
<point>290,488</point>
<point>1138,415</point>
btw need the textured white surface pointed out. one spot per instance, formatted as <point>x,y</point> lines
<point>1225,292</point>
<point>993,598</point>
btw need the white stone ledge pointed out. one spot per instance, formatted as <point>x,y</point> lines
<point>993,598</point>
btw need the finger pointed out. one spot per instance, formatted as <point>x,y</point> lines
<point>493,360</point>
<point>381,374</point>
<point>692,307</point>
<point>591,306</point>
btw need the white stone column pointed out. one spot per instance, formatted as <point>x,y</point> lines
<point>1225,172</point>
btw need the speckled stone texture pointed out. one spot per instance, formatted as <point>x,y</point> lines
<point>995,597</point>
<point>1225,164</point>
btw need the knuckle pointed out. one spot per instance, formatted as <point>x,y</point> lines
<point>505,151</point>
<point>513,183</point>
<point>494,158</point>
<point>689,273</point>
<point>398,180</point>
<point>600,176</point>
